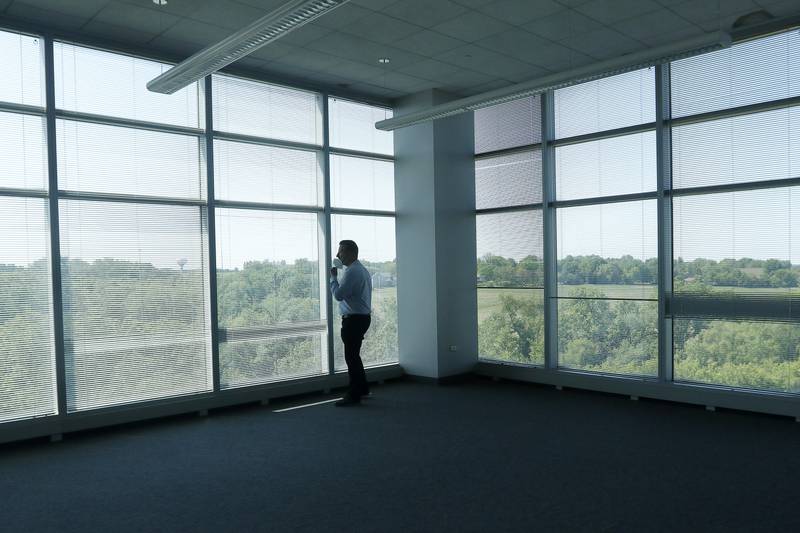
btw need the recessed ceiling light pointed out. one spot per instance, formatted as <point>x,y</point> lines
<point>383,60</point>
<point>160,2</point>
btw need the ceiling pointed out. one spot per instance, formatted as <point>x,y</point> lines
<point>460,46</point>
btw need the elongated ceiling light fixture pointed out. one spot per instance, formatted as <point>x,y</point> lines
<point>274,25</point>
<point>627,63</point>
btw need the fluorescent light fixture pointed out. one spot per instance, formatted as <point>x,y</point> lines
<point>627,63</point>
<point>275,25</point>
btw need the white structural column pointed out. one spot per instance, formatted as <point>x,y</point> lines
<point>435,203</point>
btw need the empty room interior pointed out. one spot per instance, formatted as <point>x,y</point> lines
<point>399,265</point>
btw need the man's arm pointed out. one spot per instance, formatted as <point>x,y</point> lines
<point>343,290</point>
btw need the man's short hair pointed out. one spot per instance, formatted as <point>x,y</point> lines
<point>350,246</point>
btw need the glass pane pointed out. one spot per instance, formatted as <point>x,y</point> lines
<point>607,167</point>
<point>109,159</point>
<point>510,249</point>
<point>747,73</point>
<point>509,180</point>
<point>254,362</point>
<point>508,125</point>
<point>744,243</point>
<point>268,273</point>
<point>753,355</point>
<point>105,83</point>
<point>21,69</point>
<point>358,183</point>
<point>746,148</point>
<point>136,305</point>
<point>267,174</point>
<point>611,336</point>
<point>376,242</point>
<point>262,110</point>
<point>606,104</point>
<point>23,159</point>
<point>609,250</point>
<point>353,127</point>
<point>511,325</point>
<point>27,357</point>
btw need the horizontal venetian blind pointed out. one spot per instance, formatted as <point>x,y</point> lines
<point>360,183</point>
<point>260,109</point>
<point>23,159</point>
<point>509,180</point>
<point>98,158</point>
<point>104,83</point>
<point>352,127</point>
<point>508,125</point>
<point>136,305</point>
<point>747,73</point>
<point>510,249</point>
<point>22,69</point>
<point>27,358</point>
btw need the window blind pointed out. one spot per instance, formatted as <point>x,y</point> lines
<point>27,357</point>
<point>108,159</point>
<point>22,69</point>
<point>352,127</point>
<point>606,167</point>
<point>510,249</point>
<point>267,174</point>
<point>359,183</point>
<point>104,83</point>
<point>263,110</point>
<point>23,159</point>
<point>508,125</point>
<point>509,180</point>
<point>752,72</point>
<point>136,305</point>
<point>609,103</point>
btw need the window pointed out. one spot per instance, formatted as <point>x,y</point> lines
<point>735,262</point>
<point>103,83</point>
<point>259,109</point>
<point>135,296</point>
<point>27,364</point>
<point>23,160</point>
<point>267,174</point>
<point>22,69</point>
<point>353,127</point>
<point>360,183</point>
<point>269,286</point>
<point>509,235</point>
<point>606,104</point>
<point>375,237</point>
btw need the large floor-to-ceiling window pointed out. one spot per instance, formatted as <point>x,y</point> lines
<point>180,242</point>
<point>670,188</point>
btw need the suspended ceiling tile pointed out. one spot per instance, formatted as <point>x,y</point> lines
<point>610,11</point>
<point>473,4</point>
<point>34,14</point>
<point>273,51</point>
<point>356,71</point>
<point>117,33</point>
<point>488,62</point>
<point>467,78</point>
<point>375,5</point>
<point>428,43</point>
<point>309,59</point>
<point>471,26</point>
<point>228,14</point>
<point>557,57</point>
<point>604,43</point>
<point>519,12</point>
<point>304,35</point>
<point>349,47</point>
<point>516,43</point>
<point>425,13</point>
<point>698,11</point>
<point>74,8</point>
<point>562,25</point>
<point>785,8</point>
<point>133,17</point>
<point>342,16</point>
<point>193,31</point>
<point>380,28</point>
<point>657,22</point>
<point>378,92</point>
<point>430,69</point>
<point>265,5</point>
<point>671,37</point>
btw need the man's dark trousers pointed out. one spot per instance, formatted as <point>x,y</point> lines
<point>353,329</point>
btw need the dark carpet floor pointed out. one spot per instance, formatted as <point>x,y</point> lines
<point>478,456</point>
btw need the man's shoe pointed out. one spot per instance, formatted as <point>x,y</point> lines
<point>347,401</point>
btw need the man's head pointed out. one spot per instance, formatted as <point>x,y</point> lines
<point>348,252</point>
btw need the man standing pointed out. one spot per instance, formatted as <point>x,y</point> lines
<point>354,295</point>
